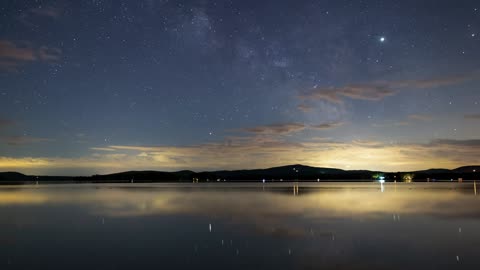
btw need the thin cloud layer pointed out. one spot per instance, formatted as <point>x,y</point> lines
<point>379,90</point>
<point>5,123</point>
<point>51,12</point>
<point>253,153</point>
<point>14,55</point>
<point>420,117</point>
<point>278,129</point>
<point>361,92</point>
<point>473,116</point>
<point>327,125</point>
<point>288,128</point>
<point>21,140</point>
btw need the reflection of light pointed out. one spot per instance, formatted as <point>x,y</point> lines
<point>210,227</point>
<point>382,180</point>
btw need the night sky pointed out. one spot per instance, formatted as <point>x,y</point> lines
<point>105,86</point>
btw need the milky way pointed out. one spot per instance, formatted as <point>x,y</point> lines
<point>103,86</point>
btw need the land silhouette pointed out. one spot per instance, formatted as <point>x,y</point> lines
<point>277,174</point>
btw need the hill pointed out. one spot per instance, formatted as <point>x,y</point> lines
<point>295,172</point>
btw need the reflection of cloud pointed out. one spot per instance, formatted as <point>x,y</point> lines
<point>14,54</point>
<point>379,90</point>
<point>331,201</point>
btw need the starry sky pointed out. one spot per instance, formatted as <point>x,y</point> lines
<point>101,86</point>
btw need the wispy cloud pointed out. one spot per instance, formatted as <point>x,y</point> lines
<point>278,129</point>
<point>327,125</point>
<point>18,52</point>
<point>420,117</point>
<point>51,12</point>
<point>288,128</point>
<point>102,149</point>
<point>454,143</point>
<point>14,55</point>
<point>21,140</point>
<point>5,123</point>
<point>241,153</point>
<point>336,95</point>
<point>31,16</point>
<point>305,107</point>
<point>473,116</point>
<point>379,90</point>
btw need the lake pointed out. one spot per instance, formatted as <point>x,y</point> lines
<point>240,226</point>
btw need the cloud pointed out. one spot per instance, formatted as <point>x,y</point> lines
<point>379,90</point>
<point>420,117</point>
<point>454,143</point>
<point>361,92</point>
<point>102,149</point>
<point>305,107</point>
<point>12,51</point>
<point>9,65</point>
<point>5,123</point>
<point>327,125</point>
<point>437,82</point>
<point>21,140</point>
<point>279,129</point>
<point>472,116</point>
<point>260,152</point>
<point>14,55</point>
<point>49,54</point>
<point>288,128</point>
<point>51,12</point>
<point>31,16</point>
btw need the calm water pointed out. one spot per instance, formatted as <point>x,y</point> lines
<point>240,226</point>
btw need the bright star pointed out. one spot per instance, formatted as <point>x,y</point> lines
<point>382,39</point>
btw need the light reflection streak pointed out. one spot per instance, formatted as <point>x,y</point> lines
<point>231,203</point>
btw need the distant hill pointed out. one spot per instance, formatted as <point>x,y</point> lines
<point>13,176</point>
<point>296,172</point>
<point>467,169</point>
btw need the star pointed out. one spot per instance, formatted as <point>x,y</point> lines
<point>382,39</point>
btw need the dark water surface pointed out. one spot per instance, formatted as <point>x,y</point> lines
<point>240,226</point>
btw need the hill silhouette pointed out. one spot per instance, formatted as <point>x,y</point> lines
<point>296,172</point>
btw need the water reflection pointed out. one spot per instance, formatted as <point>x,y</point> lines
<point>316,201</point>
<point>351,226</point>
